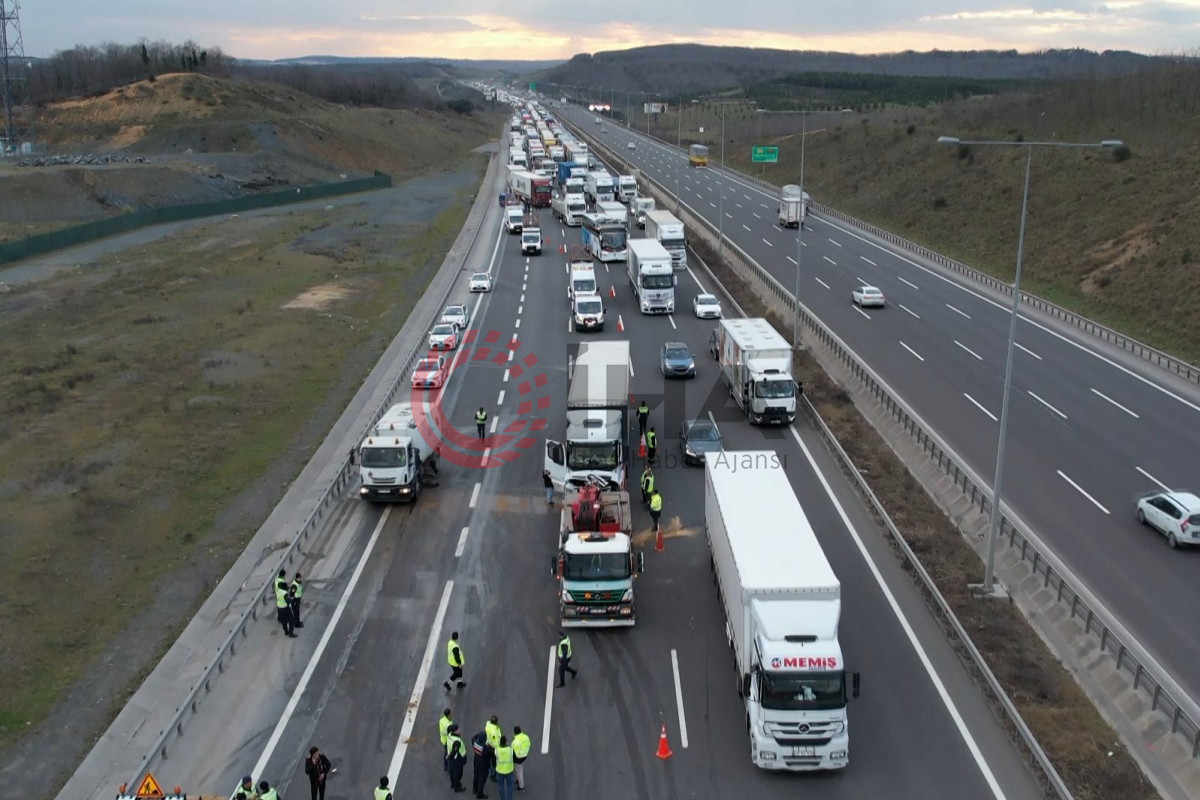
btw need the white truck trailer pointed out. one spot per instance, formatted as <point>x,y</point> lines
<point>596,448</point>
<point>651,276</point>
<point>782,605</point>
<point>793,206</point>
<point>666,228</point>
<point>756,365</point>
<point>398,457</point>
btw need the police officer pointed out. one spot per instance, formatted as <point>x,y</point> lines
<point>454,657</point>
<point>283,605</point>
<point>564,658</point>
<point>647,483</point>
<point>520,745</point>
<point>504,769</point>
<point>481,764</point>
<point>655,508</point>
<point>643,416</point>
<point>492,729</point>
<point>480,421</point>
<point>265,792</point>
<point>456,757</point>
<point>651,445</point>
<point>296,589</point>
<point>444,723</point>
<point>382,792</point>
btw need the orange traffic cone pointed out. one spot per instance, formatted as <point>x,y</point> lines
<point>620,323</point>
<point>664,750</point>
<point>641,448</point>
<point>612,291</point>
<point>658,541</point>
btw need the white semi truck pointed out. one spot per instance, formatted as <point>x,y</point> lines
<point>569,208</point>
<point>600,186</point>
<point>398,457</point>
<point>756,365</point>
<point>651,276</point>
<point>666,228</point>
<point>782,605</point>
<point>638,210</point>
<point>627,188</point>
<point>793,206</point>
<point>596,448</point>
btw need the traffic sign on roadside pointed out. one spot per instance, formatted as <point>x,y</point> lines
<point>764,155</point>
<point>149,789</point>
<point>532,86</point>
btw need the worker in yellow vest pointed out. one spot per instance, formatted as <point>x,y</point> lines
<point>520,745</point>
<point>265,792</point>
<point>647,483</point>
<point>480,421</point>
<point>504,769</point>
<point>283,606</point>
<point>444,722</point>
<point>492,730</point>
<point>454,657</point>
<point>651,445</point>
<point>382,792</point>
<point>296,591</point>
<point>456,757</point>
<point>655,508</point>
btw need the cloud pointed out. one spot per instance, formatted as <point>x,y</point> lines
<point>421,24</point>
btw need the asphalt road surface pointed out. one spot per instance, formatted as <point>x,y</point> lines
<point>1088,431</point>
<point>363,681</point>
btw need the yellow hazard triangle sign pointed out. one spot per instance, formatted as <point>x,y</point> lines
<point>149,789</point>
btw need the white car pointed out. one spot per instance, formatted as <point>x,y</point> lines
<point>868,296</point>
<point>430,373</point>
<point>1175,515</point>
<point>444,336</point>
<point>632,146</point>
<point>706,306</point>
<point>456,315</point>
<point>481,282</point>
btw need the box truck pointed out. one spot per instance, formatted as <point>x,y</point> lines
<point>756,365</point>
<point>665,227</point>
<point>793,206</point>
<point>595,449</point>
<point>651,276</point>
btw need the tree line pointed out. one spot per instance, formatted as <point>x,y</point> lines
<point>867,91</point>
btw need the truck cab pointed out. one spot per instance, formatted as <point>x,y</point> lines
<point>756,365</point>
<point>596,566</point>
<point>638,209</point>
<point>514,219</point>
<point>627,188</point>
<point>395,461</point>
<point>531,236</point>
<point>588,311</point>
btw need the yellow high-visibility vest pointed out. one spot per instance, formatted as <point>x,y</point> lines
<point>656,503</point>
<point>504,760</point>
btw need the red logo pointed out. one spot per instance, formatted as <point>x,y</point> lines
<point>512,437</point>
<point>802,662</point>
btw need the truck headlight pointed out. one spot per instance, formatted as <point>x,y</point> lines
<point>838,729</point>
<point>766,755</point>
<point>837,755</point>
<point>628,596</point>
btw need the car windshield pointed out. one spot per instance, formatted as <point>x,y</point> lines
<point>584,285</point>
<point>672,243</point>
<point>678,354</point>
<point>774,389</point>
<point>454,311</point>
<point>588,455</point>
<point>596,567</point>
<point>383,457</point>
<point>657,281</point>
<point>530,236</point>
<point>589,307</point>
<point>706,301</point>
<point>443,330</point>
<point>792,691</point>
<point>426,365</point>
<point>480,276</point>
<point>701,432</point>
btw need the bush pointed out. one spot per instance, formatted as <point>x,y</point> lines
<point>964,152</point>
<point>910,130</point>
<point>1122,153</point>
<point>939,202</point>
<point>461,106</point>
<point>1186,257</point>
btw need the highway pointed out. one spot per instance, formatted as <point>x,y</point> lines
<point>1088,429</point>
<point>387,585</point>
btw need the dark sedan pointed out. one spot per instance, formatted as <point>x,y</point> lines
<point>698,437</point>
<point>676,360</point>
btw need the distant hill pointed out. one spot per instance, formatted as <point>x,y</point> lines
<point>466,63</point>
<point>672,68</point>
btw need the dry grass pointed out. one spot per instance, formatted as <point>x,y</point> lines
<point>1073,734</point>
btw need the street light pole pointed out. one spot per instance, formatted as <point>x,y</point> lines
<point>803,209</point>
<point>678,146</point>
<point>721,210</point>
<point>994,522</point>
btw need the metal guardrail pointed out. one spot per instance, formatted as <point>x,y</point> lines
<point>1158,358</point>
<point>1129,655</point>
<point>343,479</point>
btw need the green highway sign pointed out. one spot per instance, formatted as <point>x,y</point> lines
<point>764,155</point>
<point>532,87</point>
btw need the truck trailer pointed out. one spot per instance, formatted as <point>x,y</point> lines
<point>793,206</point>
<point>651,276</point>
<point>782,604</point>
<point>756,365</point>
<point>596,447</point>
<point>667,229</point>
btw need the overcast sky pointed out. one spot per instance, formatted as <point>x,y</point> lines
<point>545,29</point>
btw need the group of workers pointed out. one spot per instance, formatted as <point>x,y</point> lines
<point>287,602</point>
<point>650,495</point>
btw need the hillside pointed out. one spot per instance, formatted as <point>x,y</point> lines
<point>1106,237</point>
<point>691,68</point>
<point>209,138</point>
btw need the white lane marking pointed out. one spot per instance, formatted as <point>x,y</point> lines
<point>520,310</point>
<point>414,702</point>
<point>711,203</point>
<point>671,319</point>
<point>869,261</point>
<point>606,266</point>
<point>830,260</point>
<point>859,310</point>
<point>298,692</point>
<point>914,352</point>
<point>630,360</point>
<point>834,242</point>
<point>1079,489</point>
<point>910,283</point>
<point>776,227</point>
<point>739,205</point>
<point>510,352</point>
<point>506,376</point>
<point>500,399</point>
<point>522,300</point>
<point>487,451</point>
<point>518,324</point>
<point>803,243</point>
<point>744,225</point>
<point>823,283</point>
<point>768,243</point>
<point>1161,485</point>
<point>475,494</point>
<point>679,699</point>
<point>1115,403</point>
<point>956,311</point>
<point>524,284</point>
<point>794,261</point>
<point>495,422</point>
<point>969,350</point>
<point>860,280</point>
<point>462,542</point>
<point>755,213</point>
<point>934,678</point>
<point>909,310</point>
<point>569,318</point>
<point>549,703</point>
<point>748,197</point>
<point>730,216</point>
<point>1047,405</point>
<point>1020,346</point>
<point>981,408</point>
<point>764,205</point>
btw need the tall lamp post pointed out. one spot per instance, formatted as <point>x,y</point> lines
<point>952,141</point>
<point>721,207</point>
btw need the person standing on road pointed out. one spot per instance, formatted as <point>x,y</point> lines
<point>382,792</point>
<point>492,729</point>
<point>283,606</point>
<point>520,745</point>
<point>296,591</point>
<point>317,767</point>
<point>563,651</point>
<point>480,421</point>
<point>247,788</point>
<point>549,484</point>
<point>456,757</point>
<point>655,509</point>
<point>481,764</point>
<point>651,445</point>
<point>643,416</point>
<point>454,656</point>
<point>504,769</point>
<point>647,483</point>
<point>265,792</point>
<point>444,724</point>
